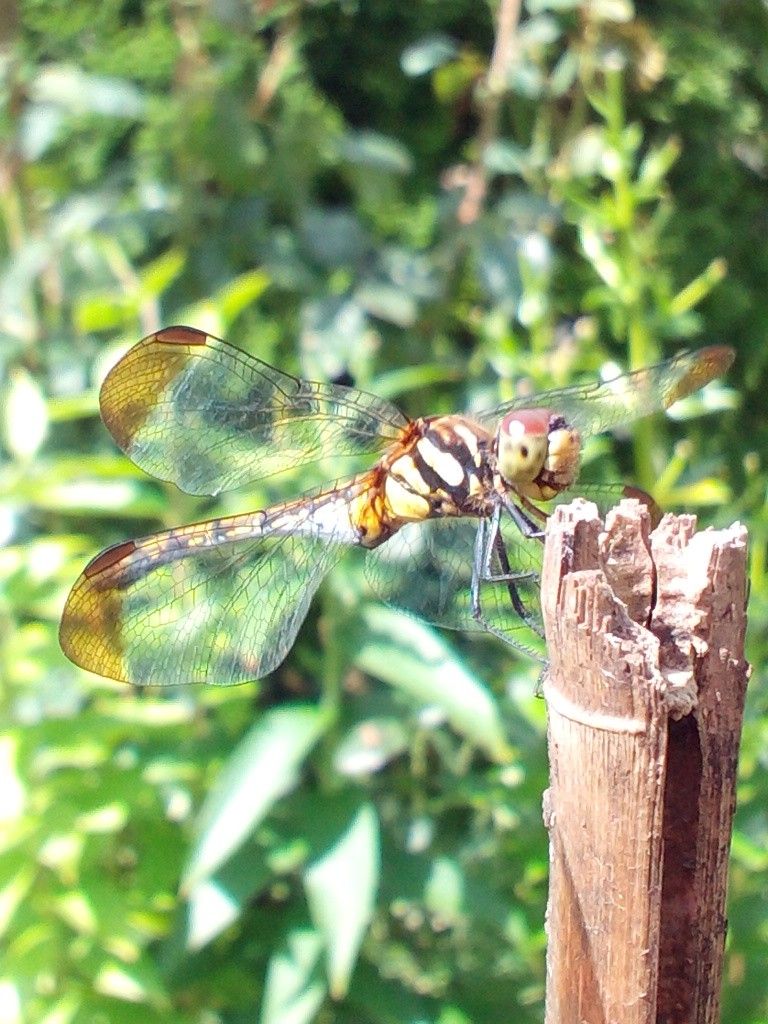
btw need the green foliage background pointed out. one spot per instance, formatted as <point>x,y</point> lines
<point>298,178</point>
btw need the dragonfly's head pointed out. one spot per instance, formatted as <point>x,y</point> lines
<point>537,453</point>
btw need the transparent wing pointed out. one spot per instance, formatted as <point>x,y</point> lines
<point>593,408</point>
<point>426,569</point>
<point>218,602</point>
<point>189,408</point>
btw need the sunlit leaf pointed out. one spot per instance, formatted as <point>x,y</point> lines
<point>135,983</point>
<point>504,157</point>
<point>696,495</point>
<point>387,302</point>
<point>370,149</point>
<point>601,256</point>
<point>426,55</point>
<point>72,88</point>
<point>444,893</point>
<point>341,888</point>
<point>17,879</point>
<point>535,6</point>
<point>242,292</point>
<point>12,789</point>
<point>10,1002</point>
<point>39,127</point>
<point>564,74</point>
<point>158,275</point>
<point>103,312</point>
<point>294,987</point>
<point>413,657</point>
<point>621,11</point>
<point>264,767</point>
<point>216,902</point>
<point>540,31</point>
<point>25,417</point>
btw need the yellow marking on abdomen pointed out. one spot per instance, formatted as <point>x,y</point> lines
<point>447,466</point>
<point>366,514</point>
<point>404,504</point>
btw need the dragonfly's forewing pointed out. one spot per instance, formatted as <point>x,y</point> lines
<point>218,602</point>
<point>426,569</point>
<point>593,408</point>
<point>192,409</point>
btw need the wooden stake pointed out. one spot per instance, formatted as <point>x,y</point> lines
<point>645,692</point>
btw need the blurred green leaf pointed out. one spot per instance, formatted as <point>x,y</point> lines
<point>539,31</point>
<point>387,302</point>
<point>242,292</point>
<point>333,330</point>
<point>341,888</point>
<point>25,416</point>
<point>264,767</point>
<point>294,987</point>
<point>699,494</point>
<point>504,157</point>
<point>379,152</point>
<point>133,983</point>
<point>104,312</point>
<point>535,6</point>
<point>426,55</point>
<point>158,275</point>
<point>445,890</point>
<point>70,87</point>
<point>414,658</point>
<point>215,902</point>
<point>334,237</point>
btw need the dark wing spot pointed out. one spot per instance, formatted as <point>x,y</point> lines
<point>108,558</point>
<point>181,336</point>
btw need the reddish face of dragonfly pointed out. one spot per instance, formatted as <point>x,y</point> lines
<point>443,513</point>
<point>537,453</point>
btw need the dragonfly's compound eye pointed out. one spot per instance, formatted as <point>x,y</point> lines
<point>522,443</point>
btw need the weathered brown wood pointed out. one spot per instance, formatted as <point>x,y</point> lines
<point>645,693</point>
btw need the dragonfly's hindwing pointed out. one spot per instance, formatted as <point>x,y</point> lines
<point>426,569</point>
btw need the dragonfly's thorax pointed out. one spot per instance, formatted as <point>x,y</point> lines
<point>536,453</point>
<point>440,468</point>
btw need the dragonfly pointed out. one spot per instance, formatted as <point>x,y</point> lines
<point>449,513</point>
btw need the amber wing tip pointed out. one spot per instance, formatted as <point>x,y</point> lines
<point>697,369</point>
<point>718,359</point>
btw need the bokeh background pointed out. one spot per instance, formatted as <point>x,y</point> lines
<point>446,203</point>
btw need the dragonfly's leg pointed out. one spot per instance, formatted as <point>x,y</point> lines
<point>512,579</point>
<point>478,570</point>
<point>495,543</point>
<point>522,520</point>
<point>480,567</point>
<point>488,541</point>
<point>491,540</point>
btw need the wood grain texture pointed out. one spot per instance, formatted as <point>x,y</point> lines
<point>645,693</point>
